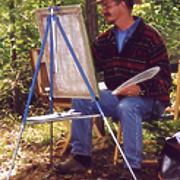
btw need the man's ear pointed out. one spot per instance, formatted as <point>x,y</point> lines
<point>123,3</point>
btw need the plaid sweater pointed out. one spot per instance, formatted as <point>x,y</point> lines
<point>144,49</point>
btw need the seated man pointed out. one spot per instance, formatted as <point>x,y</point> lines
<point>126,49</point>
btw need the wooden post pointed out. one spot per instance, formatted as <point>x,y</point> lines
<point>177,103</point>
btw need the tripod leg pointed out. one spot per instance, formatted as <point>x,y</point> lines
<point>51,144</point>
<point>16,151</point>
<point>30,96</point>
<point>119,147</point>
<point>51,83</point>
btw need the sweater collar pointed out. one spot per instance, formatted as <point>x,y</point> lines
<point>139,28</point>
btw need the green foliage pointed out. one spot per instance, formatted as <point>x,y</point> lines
<point>164,15</point>
<point>157,131</point>
<point>18,37</point>
<point>19,33</point>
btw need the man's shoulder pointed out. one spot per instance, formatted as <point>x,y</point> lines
<point>152,29</point>
<point>149,33</point>
<point>152,32</point>
<point>106,35</point>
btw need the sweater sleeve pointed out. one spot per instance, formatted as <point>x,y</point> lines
<point>97,55</point>
<point>158,56</point>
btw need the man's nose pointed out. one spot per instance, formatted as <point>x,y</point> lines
<point>104,11</point>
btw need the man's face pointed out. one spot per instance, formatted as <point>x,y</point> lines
<point>111,11</point>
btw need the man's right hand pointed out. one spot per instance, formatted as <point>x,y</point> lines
<point>133,90</point>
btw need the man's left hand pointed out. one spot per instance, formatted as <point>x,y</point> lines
<point>133,90</point>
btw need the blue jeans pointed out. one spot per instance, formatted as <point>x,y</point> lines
<point>129,110</point>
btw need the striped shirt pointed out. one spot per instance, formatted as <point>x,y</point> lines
<point>143,50</point>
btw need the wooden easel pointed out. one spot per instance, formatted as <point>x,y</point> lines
<point>51,19</point>
<point>59,103</point>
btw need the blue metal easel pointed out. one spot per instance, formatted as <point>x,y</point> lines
<point>49,27</point>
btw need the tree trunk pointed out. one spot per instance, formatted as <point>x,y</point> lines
<point>92,28</point>
<point>91,19</point>
<point>13,55</point>
<point>12,34</point>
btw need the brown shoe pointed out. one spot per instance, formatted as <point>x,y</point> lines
<point>70,166</point>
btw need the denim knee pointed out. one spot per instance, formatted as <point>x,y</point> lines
<point>125,105</point>
<point>85,106</point>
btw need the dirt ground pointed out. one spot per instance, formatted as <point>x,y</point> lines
<point>33,162</point>
<point>102,169</point>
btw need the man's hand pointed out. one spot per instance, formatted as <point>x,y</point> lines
<point>133,90</point>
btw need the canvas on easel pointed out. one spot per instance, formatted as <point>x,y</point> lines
<point>68,82</point>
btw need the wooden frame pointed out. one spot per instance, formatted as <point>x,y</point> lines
<point>68,82</point>
<point>42,82</point>
<point>42,78</point>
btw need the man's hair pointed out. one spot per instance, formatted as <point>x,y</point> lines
<point>129,3</point>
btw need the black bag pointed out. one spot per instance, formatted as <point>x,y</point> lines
<point>170,160</point>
